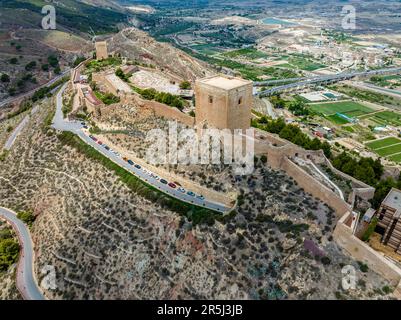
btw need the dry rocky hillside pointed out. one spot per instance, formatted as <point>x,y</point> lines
<point>107,242</point>
<point>138,46</point>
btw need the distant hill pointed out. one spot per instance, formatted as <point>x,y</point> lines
<point>31,56</point>
<point>101,16</point>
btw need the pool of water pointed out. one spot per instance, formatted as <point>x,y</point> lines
<point>277,21</point>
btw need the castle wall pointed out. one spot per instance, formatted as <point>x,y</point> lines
<point>314,187</point>
<point>363,252</point>
<point>167,112</point>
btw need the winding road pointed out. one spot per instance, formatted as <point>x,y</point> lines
<point>26,279</point>
<point>59,123</point>
<point>10,141</point>
<point>30,93</point>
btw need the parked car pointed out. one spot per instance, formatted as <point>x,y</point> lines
<point>190,193</point>
<point>100,142</point>
<point>92,137</point>
<point>86,127</point>
<point>138,166</point>
<point>200,197</point>
<point>172,185</point>
<point>106,147</point>
<point>163,181</point>
<point>83,123</point>
<point>131,162</point>
<point>181,189</point>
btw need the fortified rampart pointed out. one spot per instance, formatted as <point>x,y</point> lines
<point>314,187</point>
<point>279,154</point>
<point>279,157</point>
<point>361,251</point>
<point>167,112</point>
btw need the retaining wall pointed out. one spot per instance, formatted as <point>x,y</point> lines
<point>363,252</point>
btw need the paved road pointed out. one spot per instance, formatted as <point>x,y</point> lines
<point>76,127</point>
<point>30,93</point>
<point>26,279</point>
<point>372,87</point>
<point>11,139</point>
<point>323,79</point>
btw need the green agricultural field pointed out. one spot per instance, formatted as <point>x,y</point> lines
<point>303,64</point>
<point>349,108</point>
<point>396,158</point>
<point>207,49</point>
<point>250,53</point>
<point>388,151</point>
<point>349,128</point>
<point>337,119</point>
<point>388,117</point>
<point>382,143</point>
<point>389,147</point>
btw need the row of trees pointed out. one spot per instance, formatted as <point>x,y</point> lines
<point>291,133</point>
<point>107,98</point>
<point>298,108</point>
<point>120,73</point>
<point>162,97</point>
<point>364,169</point>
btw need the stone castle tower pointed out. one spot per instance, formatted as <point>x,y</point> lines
<point>101,50</point>
<point>223,102</point>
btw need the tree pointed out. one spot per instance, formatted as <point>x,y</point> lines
<point>13,60</point>
<point>383,187</point>
<point>120,73</point>
<point>185,85</point>
<point>78,60</point>
<point>5,78</point>
<point>277,102</point>
<point>27,217</point>
<point>9,250</point>
<point>30,66</point>
<point>275,126</point>
<point>53,61</point>
<point>298,108</point>
<point>12,91</point>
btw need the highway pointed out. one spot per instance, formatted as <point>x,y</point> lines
<point>374,88</point>
<point>302,82</point>
<point>26,279</point>
<point>77,128</point>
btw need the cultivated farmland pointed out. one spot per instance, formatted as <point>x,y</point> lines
<point>349,108</point>
<point>388,147</point>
